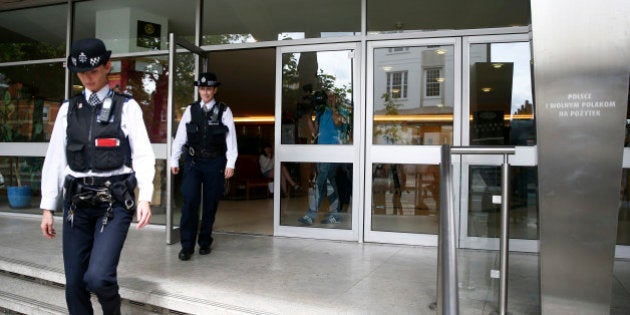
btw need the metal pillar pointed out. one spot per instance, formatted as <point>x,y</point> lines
<point>448,300</point>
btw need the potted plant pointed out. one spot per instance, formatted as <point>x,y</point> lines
<point>19,196</point>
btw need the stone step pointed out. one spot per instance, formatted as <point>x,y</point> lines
<point>135,295</point>
<point>30,296</point>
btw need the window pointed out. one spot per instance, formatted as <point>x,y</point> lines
<point>398,49</point>
<point>433,82</point>
<point>397,84</point>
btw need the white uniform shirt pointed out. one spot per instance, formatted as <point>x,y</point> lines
<point>56,166</point>
<point>181,137</point>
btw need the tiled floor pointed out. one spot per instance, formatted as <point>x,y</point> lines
<point>263,274</point>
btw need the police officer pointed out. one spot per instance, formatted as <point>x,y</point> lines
<point>207,137</point>
<point>99,150</point>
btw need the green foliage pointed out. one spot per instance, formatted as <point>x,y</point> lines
<point>7,108</point>
<point>390,132</point>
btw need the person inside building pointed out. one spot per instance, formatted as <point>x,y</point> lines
<point>99,152</point>
<point>266,163</point>
<point>326,131</point>
<point>207,137</point>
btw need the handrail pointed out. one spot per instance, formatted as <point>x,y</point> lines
<point>448,300</point>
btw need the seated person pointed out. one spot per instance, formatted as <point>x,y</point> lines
<point>266,168</point>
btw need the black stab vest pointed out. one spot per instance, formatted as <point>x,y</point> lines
<point>94,145</point>
<point>206,132</point>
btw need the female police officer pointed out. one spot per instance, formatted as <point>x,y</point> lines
<point>99,149</point>
<point>207,135</point>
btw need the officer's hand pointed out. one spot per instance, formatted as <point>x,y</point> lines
<point>47,224</point>
<point>143,213</point>
<point>229,172</point>
<point>175,170</point>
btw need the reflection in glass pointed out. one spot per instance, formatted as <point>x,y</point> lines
<point>623,229</point>
<point>24,172</point>
<point>29,34</point>
<point>405,198</point>
<point>30,96</point>
<point>134,25</point>
<point>146,79</point>
<point>317,97</point>
<point>413,95</point>
<point>257,21</point>
<point>388,16</point>
<point>501,97</point>
<point>484,216</point>
<point>325,192</point>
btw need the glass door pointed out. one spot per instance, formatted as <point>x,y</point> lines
<point>498,101</point>
<point>182,69</point>
<point>413,107</point>
<point>316,142</point>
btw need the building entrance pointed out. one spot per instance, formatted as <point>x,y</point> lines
<point>421,96</point>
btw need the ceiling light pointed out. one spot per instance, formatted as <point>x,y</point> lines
<point>486,89</point>
<point>497,65</point>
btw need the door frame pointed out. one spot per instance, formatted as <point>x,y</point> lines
<point>524,156</point>
<point>405,154</point>
<point>346,153</point>
<point>172,231</point>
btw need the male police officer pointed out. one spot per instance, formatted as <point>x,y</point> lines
<point>99,149</point>
<point>207,135</point>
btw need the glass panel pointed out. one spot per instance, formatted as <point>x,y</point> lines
<point>392,16</point>
<point>20,181</point>
<point>331,181</point>
<point>317,97</point>
<point>144,78</point>
<point>31,34</point>
<point>413,95</point>
<point>484,216</point>
<point>405,198</point>
<point>240,21</point>
<point>30,96</point>
<point>623,229</point>
<point>501,105</point>
<point>134,25</point>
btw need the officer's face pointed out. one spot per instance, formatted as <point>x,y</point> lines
<point>96,78</point>
<point>207,93</point>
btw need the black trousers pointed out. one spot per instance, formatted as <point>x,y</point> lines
<point>211,174</point>
<point>91,257</point>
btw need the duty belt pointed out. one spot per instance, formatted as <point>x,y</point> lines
<point>93,190</point>
<point>203,153</point>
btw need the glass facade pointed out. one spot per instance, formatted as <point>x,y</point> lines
<point>317,86</point>
<point>431,15</point>
<point>501,94</point>
<point>30,96</point>
<point>413,95</point>
<point>405,198</point>
<point>136,25</point>
<point>32,34</point>
<point>413,84</point>
<point>242,21</point>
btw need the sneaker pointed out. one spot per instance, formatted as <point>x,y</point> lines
<point>331,220</point>
<point>306,220</point>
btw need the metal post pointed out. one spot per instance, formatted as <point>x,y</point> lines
<point>169,141</point>
<point>448,300</point>
<point>505,246</point>
<point>445,225</point>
